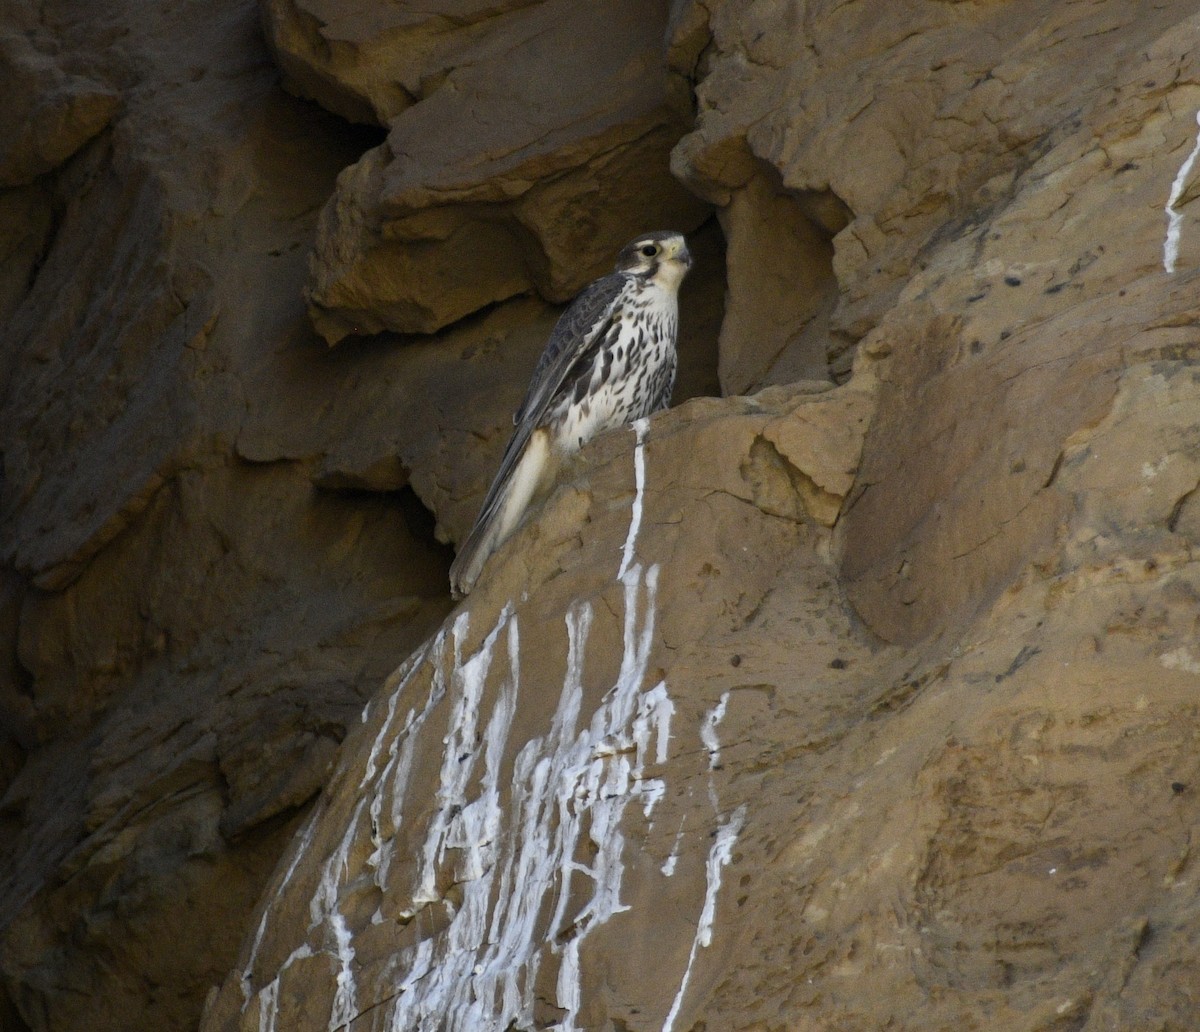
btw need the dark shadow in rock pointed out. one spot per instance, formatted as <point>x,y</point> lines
<point>782,286</point>
<point>701,312</point>
<point>418,520</point>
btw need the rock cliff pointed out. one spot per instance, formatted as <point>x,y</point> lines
<point>857,691</point>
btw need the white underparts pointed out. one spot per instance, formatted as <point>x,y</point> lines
<point>528,477</point>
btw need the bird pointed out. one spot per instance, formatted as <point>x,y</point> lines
<point>611,359</point>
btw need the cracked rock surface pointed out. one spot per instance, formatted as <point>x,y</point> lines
<point>857,691</point>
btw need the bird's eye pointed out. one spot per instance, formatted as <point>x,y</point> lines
<point>649,250</point>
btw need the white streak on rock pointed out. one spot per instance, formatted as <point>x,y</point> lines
<point>639,484</point>
<point>399,766</point>
<point>323,913</point>
<point>638,633</point>
<point>651,792</point>
<point>718,857</point>
<point>708,731</point>
<point>345,997</point>
<point>298,852</point>
<point>668,867</point>
<point>459,757</point>
<point>658,710</point>
<point>268,996</point>
<point>268,1007</point>
<point>411,666</point>
<point>519,864</point>
<point>477,827</point>
<point>1174,217</point>
<point>655,710</point>
<point>536,866</point>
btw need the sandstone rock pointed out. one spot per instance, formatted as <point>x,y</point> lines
<point>781,285</point>
<point>565,160</point>
<point>187,635</point>
<point>437,878</point>
<point>369,64</point>
<point>733,786</point>
<point>917,146</point>
<point>48,113</point>
<point>865,701</point>
<point>1015,543</point>
<point>822,441</point>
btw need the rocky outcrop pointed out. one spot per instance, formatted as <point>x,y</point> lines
<point>215,544</point>
<point>472,867</point>
<point>189,631</point>
<point>859,697</point>
<point>54,104</point>
<point>516,158</point>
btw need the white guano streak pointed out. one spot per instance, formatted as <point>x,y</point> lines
<point>268,996</point>
<point>718,856</point>
<point>298,853</point>
<point>458,760</point>
<point>1174,217</point>
<point>668,867</point>
<point>268,1007</point>
<point>639,485</point>
<point>708,731</point>
<point>324,914</point>
<point>411,666</point>
<point>517,865</point>
<point>323,910</point>
<point>517,868</point>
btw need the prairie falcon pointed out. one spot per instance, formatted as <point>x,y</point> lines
<point>610,360</point>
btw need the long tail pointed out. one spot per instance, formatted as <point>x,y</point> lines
<point>515,486</point>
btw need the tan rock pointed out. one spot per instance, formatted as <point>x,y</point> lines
<point>458,853</point>
<point>885,712</point>
<point>727,747</point>
<point>565,160</point>
<point>369,64</point>
<point>48,113</point>
<point>156,749</point>
<point>918,147</point>
<point>955,807</point>
<point>823,440</point>
<point>781,285</point>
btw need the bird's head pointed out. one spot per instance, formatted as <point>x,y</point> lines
<point>661,257</point>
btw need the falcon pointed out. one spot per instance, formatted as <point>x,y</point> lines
<point>610,360</point>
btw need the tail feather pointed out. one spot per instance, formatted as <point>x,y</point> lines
<point>516,486</point>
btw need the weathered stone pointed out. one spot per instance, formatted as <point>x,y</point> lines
<point>48,113</point>
<point>781,285</point>
<point>166,714</point>
<point>885,712</point>
<point>370,63</point>
<point>918,147</point>
<point>490,683</point>
<point>565,160</point>
<point>823,441</point>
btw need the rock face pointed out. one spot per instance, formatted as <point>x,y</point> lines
<point>861,696</point>
<point>516,157</point>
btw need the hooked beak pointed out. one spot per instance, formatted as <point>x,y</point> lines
<point>681,254</point>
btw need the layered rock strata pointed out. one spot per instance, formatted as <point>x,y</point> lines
<point>860,697</point>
